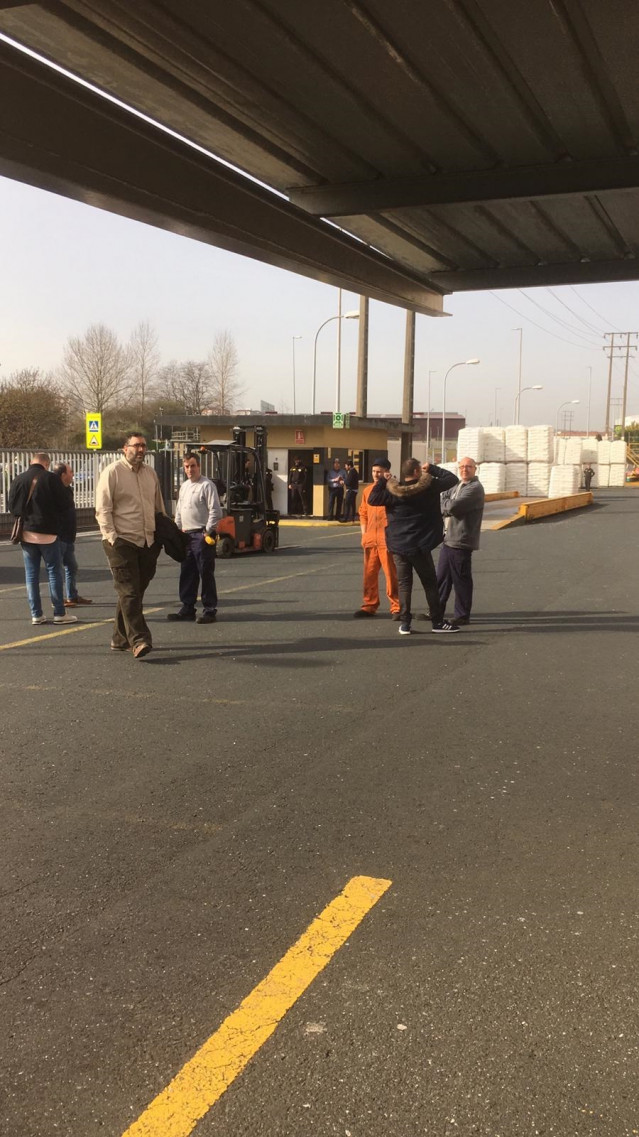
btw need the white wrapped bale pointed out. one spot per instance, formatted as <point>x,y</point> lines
<point>516,443</point>
<point>517,477</point>
<point>493,444</point>
<point>469,443</point>
<point>564,480</point>
<point>540,444</point>
<point>603,475</point>
<point>560,451</point>
<point>450,466</point>
<point>590,450</point>
<point>573,455</point>
<point>603,452</point>
<point>492,476</point>
<point>617,472</point>
<point>538,479</point>
<point>617,453</point>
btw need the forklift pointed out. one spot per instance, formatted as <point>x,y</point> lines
<point>238,471</point>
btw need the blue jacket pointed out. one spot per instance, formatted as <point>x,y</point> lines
<point>415,520</point>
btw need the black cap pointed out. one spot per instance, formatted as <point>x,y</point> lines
<point>383,462</point>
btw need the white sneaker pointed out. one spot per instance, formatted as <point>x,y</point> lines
<point>66,619</point>
<point>38,619</point>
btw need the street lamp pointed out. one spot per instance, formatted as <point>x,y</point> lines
<point>347,316</point>
<point>462,363</point>
<point>521,345</point>
<point>428,419</point>
<point>537,387</point>
<point>568,403</point>
<point>294,338</point>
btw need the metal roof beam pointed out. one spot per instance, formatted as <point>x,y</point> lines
<point>473,188</point>
<point>534,276</point>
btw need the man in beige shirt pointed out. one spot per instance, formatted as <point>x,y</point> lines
<point>127,498</point>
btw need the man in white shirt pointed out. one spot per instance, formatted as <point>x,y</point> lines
<point>127,498</point>
<point>198,514</point>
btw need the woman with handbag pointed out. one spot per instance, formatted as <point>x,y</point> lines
<point>36,500</point>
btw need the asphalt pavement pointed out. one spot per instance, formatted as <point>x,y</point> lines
<point>171,826</point>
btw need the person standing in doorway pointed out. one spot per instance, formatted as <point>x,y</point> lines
<point>68,533</point>
<point>372,520</point>
<point>335,491</point>
<point>198,514</point>
<point>37,496</point>
<point>296,485</point>
<point>463,509</point>
<point>127,498</point>
<point>351,486</point>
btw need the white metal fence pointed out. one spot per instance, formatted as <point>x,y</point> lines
<point>86,465</point>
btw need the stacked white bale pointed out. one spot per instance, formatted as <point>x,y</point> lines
<point>590,450</point>
<point>574,449</point>
<point>517,477</point>
<point>492,476</point>
<point>450,466</point>
<point>538,479</point>
<point>560,451</point>
<point>603,475</point>
<point>603,452</point>
<point>617,473</point>
<point>469,443</point>
<point>540,444</point>
<point>516,443</point>
<point>617,453</point>
<point>564,480</point>
<point>493,444</point>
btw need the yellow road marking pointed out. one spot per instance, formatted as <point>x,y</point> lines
<point>13,588</point>
<point>66,631</point>
<point>277,579</point>
<point>201,1082</point>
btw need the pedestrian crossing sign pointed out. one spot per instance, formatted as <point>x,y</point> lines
<point>94,431</point>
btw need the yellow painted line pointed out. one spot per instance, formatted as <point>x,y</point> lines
<point>201,1082</point>
<point>277,579</point>
<point>13,588</point>
<point>66,631</point>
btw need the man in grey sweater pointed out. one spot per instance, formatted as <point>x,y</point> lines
<point>463,509</point>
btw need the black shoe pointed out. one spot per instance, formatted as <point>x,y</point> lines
<point>363,614</point>
<point>396,616</point>
<point>207,618</point>
<point>444,627</point>
<point>181,616</point>
<point>460,621</point>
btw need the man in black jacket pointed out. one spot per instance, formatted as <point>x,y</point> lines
<point>351,486</point>
<point>68,534</point>
<point>38,497</point>
<point>415,527</point>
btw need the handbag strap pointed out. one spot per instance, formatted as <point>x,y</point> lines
<point>33,486</point>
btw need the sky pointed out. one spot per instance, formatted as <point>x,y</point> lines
<point>66,265</point>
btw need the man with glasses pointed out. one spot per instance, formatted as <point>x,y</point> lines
<point>463,509</point>
<point>127,498</point>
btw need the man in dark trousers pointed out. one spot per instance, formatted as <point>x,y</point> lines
<point>68,534</point>
<point>463,509</point>
<point>296,484</point>
<point>351,486</point>
<point>335,491</point>
<point>589,474</point>
<point>38,497</point>
<point>415,527</point>
<point>198,514</point>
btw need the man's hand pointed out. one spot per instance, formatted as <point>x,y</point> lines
<point>387,474</point>
<point>425,467</point>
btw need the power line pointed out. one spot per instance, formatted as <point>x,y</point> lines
<point>562,323</point>
<point>540,326</point>
<point>586,323</point>
<point>604,321</point>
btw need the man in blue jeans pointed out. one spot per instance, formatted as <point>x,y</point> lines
<point>68,533</point>
<point>198,514</point>
<point>37,496</point>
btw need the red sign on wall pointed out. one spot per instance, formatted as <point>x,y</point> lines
<point>299,437</point>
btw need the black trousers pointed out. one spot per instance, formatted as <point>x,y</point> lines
<point>422,563</point>
<point>298,505</point>
<point>350,498</point>
<point>454,570</point>
<point>199,565</point>
<point>335,499</point>
<point>132,568</point>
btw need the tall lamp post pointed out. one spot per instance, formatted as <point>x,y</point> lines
<point>589,394</point>
<point>537,387</point>
<point>347,316</point>
<point>521,346</point>
<point>428,419</point>
<point>294,338</point>
<point>568,403</point>
<point>462,363</point>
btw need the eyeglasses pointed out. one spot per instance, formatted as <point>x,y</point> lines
<point>466,467</point>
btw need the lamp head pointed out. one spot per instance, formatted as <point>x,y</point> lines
<point>471,362</point>
<point>351,315</point>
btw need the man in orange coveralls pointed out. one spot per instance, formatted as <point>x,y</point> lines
<point>373,524</point>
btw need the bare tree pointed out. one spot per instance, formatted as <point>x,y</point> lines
<point>96,370</point>
<point>145,360</point>
<point>223,363</point>
<point>188,384</point>
<point>32,410</point>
